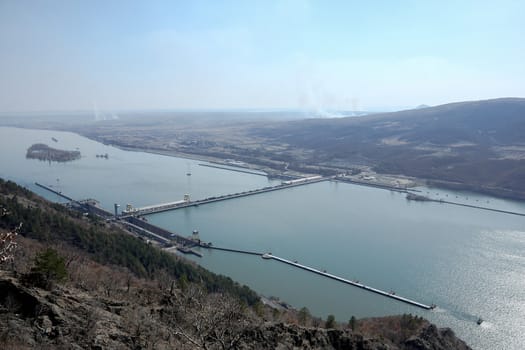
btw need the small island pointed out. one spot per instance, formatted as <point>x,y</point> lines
<point>44,152</point>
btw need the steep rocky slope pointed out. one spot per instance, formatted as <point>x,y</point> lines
<point>69,318</point>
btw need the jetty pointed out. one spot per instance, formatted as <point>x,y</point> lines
<point>269,256</point>
<point>246,171</point>
<point>371,184</point>
<point>240,251</point>
<point>420,198</point>
<point>391,295</point>
<point>58,193</point>
<point>87,205</point>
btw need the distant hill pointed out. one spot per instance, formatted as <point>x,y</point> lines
<point>475,145</point>
<point>478,145</point>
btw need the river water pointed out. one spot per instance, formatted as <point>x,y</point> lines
<point>469,262</point>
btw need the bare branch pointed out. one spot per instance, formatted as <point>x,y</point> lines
<point>8,240</point>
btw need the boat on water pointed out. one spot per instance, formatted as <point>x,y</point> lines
<point>479,321</point>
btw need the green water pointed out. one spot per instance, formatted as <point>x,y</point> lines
<point>471,263</point>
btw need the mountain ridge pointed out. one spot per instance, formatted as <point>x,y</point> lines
<point>479,144</point>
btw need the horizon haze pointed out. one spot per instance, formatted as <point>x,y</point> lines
<point>292,54</point>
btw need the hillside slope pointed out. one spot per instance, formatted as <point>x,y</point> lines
<point>122,295</point>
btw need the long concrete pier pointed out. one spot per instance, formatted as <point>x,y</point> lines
<point>353,283</point>
<point>441,201</point>
<point>370,184</point>
<point>84,205</point>
<point>232,250</point>
<point>426,199</point>
<point>232,169</point>
<point>60,194</point>
<point>478,207</point>
<point>152,209</point>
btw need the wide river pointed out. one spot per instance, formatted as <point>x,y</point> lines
<point>469,262</point>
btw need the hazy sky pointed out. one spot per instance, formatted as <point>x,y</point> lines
<point>70,55</point>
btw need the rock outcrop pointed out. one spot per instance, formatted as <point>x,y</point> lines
<point>285,336</point>
<point>68,318</point>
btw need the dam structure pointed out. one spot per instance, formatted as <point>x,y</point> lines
<point>186,202</point>
<point>168,239</point>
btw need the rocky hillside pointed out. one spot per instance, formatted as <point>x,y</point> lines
<point>149,318</point>
<point>63,290</point>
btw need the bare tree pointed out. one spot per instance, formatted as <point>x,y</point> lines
<point>143,326</point>
<point>207,321</point>
<point>7,240</point>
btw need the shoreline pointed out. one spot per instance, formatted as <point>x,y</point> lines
<point>441,184</point>
<point>202,158</point>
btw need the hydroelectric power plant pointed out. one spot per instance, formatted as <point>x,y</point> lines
<point>130,218</point>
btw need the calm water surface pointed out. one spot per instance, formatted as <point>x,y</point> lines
<point>471,263</point>
<point>126,177</point>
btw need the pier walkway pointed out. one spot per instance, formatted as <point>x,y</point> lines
<point>89,206</point>
<point>240,251</point>
<point>152,209</point>
<point>60,194</point>
<point>424,199</point>
<point>477,207</point>
<point>247,171</point>
<point>419,198</point>
<point>269,256</point>
<point>375,185</point>
<point>353,283</point>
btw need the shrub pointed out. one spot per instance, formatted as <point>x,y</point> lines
<point>330,321</point>
<point>49,267</point>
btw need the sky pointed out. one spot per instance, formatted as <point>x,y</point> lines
<point>291,54</point>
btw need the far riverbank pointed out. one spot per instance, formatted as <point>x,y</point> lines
<point>386,181</point>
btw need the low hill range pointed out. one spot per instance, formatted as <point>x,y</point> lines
<point>469,145</point>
